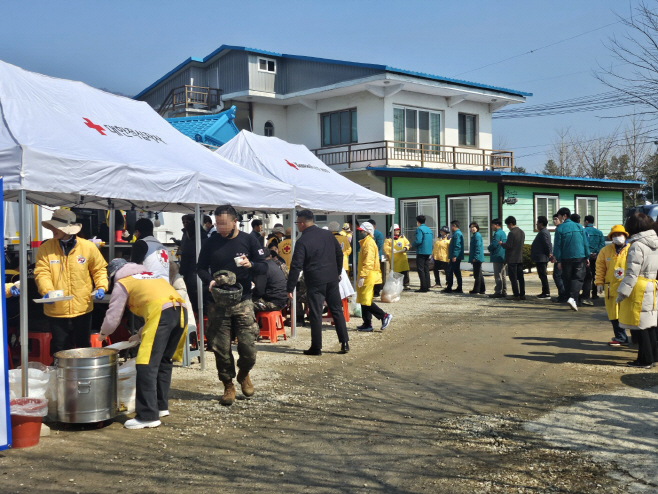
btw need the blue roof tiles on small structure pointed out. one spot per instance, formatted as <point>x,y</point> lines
<point>216,129</point>
<point>384,68</point>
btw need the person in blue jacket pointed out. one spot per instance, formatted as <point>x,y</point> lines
<point>497,257</point>
<point>476,258</point>
<point>423,243</point>
<point>571,250</point>
<point>379,241</point>
<point>455,257</point>
<point>596,242</point>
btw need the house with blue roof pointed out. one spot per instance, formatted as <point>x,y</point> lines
<point>423,139</point>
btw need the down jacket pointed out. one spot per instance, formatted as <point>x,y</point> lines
<point>641,261</point>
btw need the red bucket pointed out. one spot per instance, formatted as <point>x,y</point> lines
<point>26,417</point>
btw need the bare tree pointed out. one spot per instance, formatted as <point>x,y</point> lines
<point>638,49</point>
<point>638,152</point>
<point>561,157</point>
<point>592,154</point>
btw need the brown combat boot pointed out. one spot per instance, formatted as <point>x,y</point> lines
<point>228,397</point>
<point>245,382</point>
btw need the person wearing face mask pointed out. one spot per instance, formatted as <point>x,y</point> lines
<point>401,246</point>
<point>76,266</point>
<point>610,268</point>
<point>243,255</point>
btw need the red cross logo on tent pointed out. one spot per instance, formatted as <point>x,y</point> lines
<point>292,164</point>
<point>92,125</point>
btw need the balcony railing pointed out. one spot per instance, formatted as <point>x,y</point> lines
<point>397,153</point>
<point>185,98</point>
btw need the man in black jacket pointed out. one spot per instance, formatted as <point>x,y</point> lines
<point>269,292</point>
<point>514,257</point>
<point>540,252</point>
<point>319,255</point>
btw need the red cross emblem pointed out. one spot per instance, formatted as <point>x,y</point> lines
<point>286,249</point>
<point>164,256</point>
<point>292,164</point>
<point>92,125</point>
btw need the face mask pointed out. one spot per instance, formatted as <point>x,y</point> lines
<point>619,240</point>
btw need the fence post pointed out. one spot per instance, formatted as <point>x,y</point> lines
<point>454,158</point>
<point>484,160</point>
<point>422,156</point>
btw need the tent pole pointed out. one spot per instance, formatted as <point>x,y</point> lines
<point>111,226</point>
<point>356,240</point>
<point>199,288</point>
<point>22,258</point>
<point>293,309</point>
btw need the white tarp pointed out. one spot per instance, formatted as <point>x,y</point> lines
<point>62,139</point>
<point>317,186</point>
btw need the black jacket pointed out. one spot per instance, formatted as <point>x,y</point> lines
<point>514,246</point>
<point>542,247</point>
<point>318,254</point>
<point>271,286</point>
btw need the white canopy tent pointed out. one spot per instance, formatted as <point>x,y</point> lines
<point>63,143</point>
<point>317,187</point>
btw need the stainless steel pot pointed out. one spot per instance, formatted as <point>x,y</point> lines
<point>86,385</point>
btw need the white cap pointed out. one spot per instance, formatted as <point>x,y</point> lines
<point>367,226</point>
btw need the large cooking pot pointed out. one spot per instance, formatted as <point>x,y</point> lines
<point>86,385</point>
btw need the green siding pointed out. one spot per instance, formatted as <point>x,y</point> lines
<point>610,208</point>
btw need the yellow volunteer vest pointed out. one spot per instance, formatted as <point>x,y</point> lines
<point>630,308</point>
<point>616,268</point>
<point>146,296</point>
<point>285,250</point>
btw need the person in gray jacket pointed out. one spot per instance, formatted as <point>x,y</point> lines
<point>514,257</point>
<point>636,294</point>
<point>540,252</point>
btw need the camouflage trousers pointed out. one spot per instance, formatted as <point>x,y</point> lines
<point>261,305</point>
<point>225,324</point>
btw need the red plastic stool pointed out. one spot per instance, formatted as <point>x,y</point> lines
<point>270,325</point>
<point>40,351</point>
<point>346,313</point>
<point>98,344</point>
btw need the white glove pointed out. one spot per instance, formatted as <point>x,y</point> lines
<point>135,337</point>
<point>361,282</point>
<point>599,289</point>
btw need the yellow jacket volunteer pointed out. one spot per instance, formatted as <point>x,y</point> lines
<point>440,249</point>
<point>610,269</point>
<point>162,337</point>
<point>369,270</point>
<point>345,247</point>
<point>400,261</point>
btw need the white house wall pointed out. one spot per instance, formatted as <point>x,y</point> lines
<point>272,113</point>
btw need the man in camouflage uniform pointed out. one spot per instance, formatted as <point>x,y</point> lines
<point>241,255</point>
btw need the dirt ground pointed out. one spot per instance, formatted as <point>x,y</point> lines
<point>436,403</point>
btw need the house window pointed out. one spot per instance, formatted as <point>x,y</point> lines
<point>587,205</point>
<point>467,130</point>
<point>410,208</point>
<point>339,128</point>
<point>469,209</point>
<point>267,65</point>
<point>269,129</point>
<point>412,127</point>
<point>547,205</point>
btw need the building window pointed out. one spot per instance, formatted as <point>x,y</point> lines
<point>467,130</point>
<point>339,128</point>
<point>466,210</point>
<point>410,208</point>
<point>587,205</point>
<point>412,127</point>
<point>267,65</point>
<point>269,129</point>
<point>546,205</point>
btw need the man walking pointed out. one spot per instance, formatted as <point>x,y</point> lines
<point>596,242</point>
<point>242,255</point>
<point>557,272</point>
<point>423,243</point>
<point>571,251</point>
<point>379,241</point>
<point>319,255</point>
<point>455,257</point>
<point>497,257</point>
<point>540,253</point>
<point>514,257</point>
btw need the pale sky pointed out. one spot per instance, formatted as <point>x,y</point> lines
<point>124,46</point>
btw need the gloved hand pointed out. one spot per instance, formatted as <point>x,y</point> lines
<point>46,296</point>
<point>99,294</point>
<point>599,289</point>
<point>135,337</point>
<point>361,282</point>
<point>15,291</point>
<point>619,299</point>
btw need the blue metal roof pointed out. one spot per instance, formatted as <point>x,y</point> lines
<point>215,130</point>
<point>385,68</point>
<point>499,174</point>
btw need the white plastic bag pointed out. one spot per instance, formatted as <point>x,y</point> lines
<point>29,407</point>
<point>38,381</point>
<point>126,387</point>
<point>393,287</point>
<point>354,308</point>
